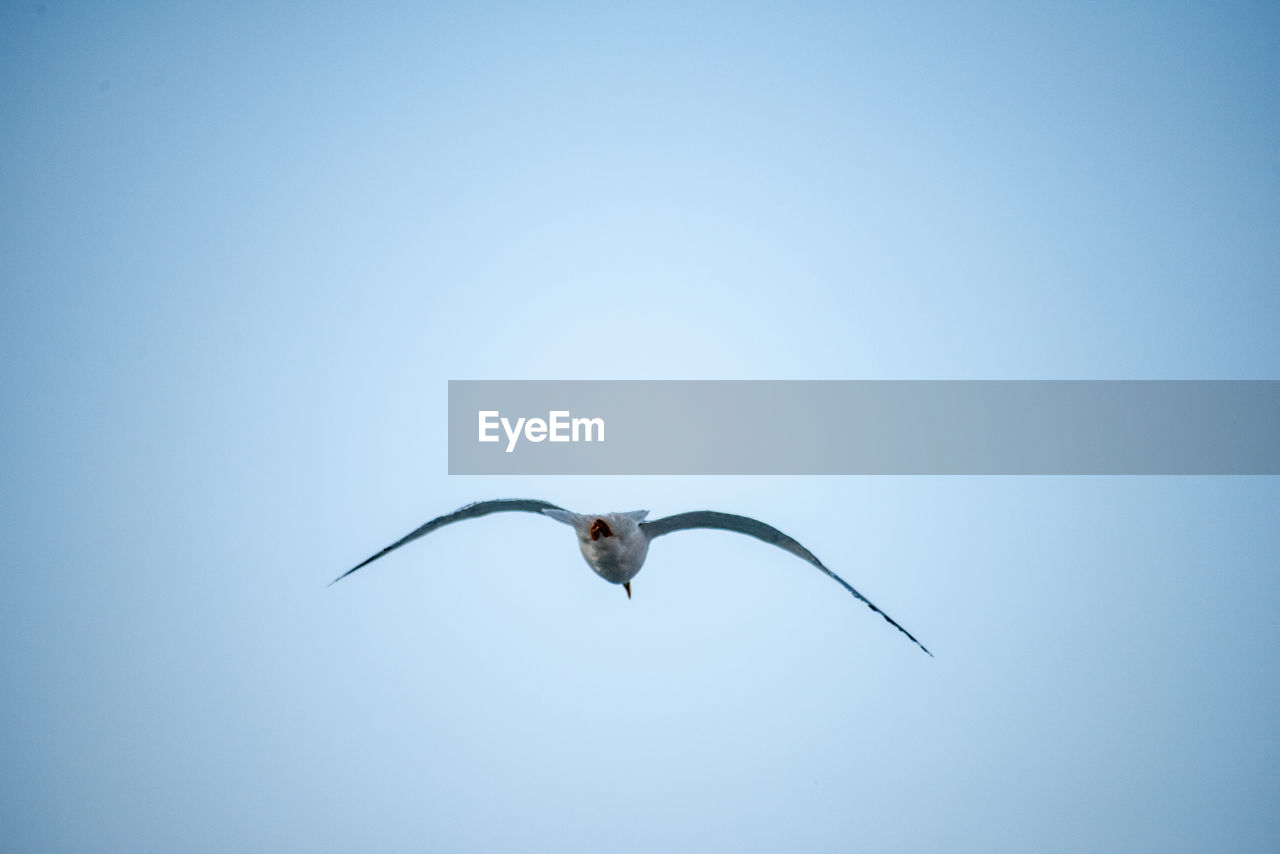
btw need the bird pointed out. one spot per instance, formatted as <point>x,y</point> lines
<point>615,545</point>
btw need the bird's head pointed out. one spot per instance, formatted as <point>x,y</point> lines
<point>599,528</point>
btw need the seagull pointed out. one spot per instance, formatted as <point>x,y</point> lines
<point>616,544</point>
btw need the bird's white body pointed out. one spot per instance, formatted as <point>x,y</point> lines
<point>611,543</point>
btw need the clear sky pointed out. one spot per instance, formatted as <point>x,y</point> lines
<point>243,247</point>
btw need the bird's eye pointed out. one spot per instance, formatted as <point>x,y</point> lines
<point>600,528</point>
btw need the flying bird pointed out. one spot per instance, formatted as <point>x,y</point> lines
<point>616,544</point>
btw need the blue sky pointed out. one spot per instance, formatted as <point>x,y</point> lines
<point>243,248</point>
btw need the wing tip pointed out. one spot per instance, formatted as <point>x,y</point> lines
<point>909,635</point>
<point>340,577</point>
<point>916,642</point>
<point>357,566</point>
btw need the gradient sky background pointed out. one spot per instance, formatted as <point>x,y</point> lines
<point>243,247</point>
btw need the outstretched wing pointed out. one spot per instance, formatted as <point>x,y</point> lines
<point>761,531</point>
<point>471,511</point>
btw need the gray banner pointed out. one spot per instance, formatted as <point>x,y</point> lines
<point>864,427</point>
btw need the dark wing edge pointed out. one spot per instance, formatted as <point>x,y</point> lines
<point>767,533</point>
<point>471,511</point>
